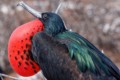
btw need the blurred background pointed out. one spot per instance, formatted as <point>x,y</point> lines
<point>96,20</point>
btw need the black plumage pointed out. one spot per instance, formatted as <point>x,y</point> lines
<point>66,55</point>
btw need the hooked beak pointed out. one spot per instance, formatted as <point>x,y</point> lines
<point>29,9</point>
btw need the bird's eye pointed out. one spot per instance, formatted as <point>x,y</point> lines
<point>45,16</point>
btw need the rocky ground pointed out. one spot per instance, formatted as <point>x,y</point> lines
<point>96,20</point>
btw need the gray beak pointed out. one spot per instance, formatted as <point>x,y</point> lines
<point>29,9</point>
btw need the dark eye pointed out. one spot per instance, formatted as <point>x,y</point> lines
<point>45,16</point>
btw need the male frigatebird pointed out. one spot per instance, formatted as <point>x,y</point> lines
<point>66,55</point>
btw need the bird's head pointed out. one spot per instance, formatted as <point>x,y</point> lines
<point>53,23</point>
<point>19,45</point>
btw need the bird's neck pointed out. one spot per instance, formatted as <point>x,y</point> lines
<point>54,31</point>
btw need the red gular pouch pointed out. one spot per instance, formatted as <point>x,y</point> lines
<point>19,48</point>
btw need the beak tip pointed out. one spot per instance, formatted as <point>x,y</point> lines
<point>29,9</point>
<point>20,3</point>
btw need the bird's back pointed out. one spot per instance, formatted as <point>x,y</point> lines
<point>87,56</point>
<point>55,62</point>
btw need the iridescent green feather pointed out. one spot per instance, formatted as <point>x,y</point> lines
<point>87,56</point>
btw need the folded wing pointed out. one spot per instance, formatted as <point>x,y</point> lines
<point>87,56</point>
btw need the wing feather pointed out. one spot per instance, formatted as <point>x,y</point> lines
<point>87,56</point>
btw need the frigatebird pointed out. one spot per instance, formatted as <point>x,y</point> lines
<point>66,55</point>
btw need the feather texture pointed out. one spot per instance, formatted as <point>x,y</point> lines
<point>56,63</point>
<point>87,56</point>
